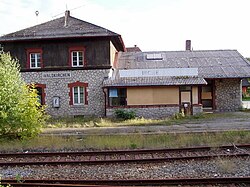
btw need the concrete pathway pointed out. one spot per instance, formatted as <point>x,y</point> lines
<point>236,121</point>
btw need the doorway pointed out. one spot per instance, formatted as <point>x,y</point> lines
<point>186,102</point>
<point>207,95</point>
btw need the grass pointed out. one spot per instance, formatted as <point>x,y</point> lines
<point>137,140</point>
<point>110,142</point>
<point>225,165</point>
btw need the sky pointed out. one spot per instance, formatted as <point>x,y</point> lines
<point>152,25</point>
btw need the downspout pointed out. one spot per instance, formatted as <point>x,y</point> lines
<point>105,101</point>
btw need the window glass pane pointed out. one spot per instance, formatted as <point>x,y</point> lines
<point>185,88</point>
<point>38,64</point>
<point>80,62</point>
<point>33,64</point>
<point>75,92</point>
<point>76,98</point>
<point>118,96</point>
<point>81,89</point>
<point>80,54</point>
<point>39,94</point>
<point>81,94</point>
<point>206,89</point>
<point>74,63</point>
<point>74,54</point>
<point>38,56</point>
<point>77,58</point>
<point>81,98</point>
<point>113,92</point>
<point>123,92</point>
<point>35,60</point>
<point>32,56</point>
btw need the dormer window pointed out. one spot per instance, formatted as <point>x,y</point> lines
<point>154,56</point>
<point>34,58</point>
<point>77,56</point>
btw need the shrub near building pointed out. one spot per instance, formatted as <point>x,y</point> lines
<point>20,112</point>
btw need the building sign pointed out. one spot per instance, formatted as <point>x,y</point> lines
<point>58,75</point>
<point>168,72</point>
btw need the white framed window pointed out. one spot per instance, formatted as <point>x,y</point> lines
<point>77,58</point>
<point>78,95</point>
<point>35,60</point>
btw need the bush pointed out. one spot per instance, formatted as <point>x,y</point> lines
<point>21,115</point>
<point>125,115</point>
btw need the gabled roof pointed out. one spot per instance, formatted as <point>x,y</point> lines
<point>144,68</point>
<point>57,29</point>
<point>210,63</point>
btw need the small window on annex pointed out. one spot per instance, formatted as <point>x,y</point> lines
<point>117,96</point>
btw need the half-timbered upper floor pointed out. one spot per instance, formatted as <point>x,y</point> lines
<point>63,43</point>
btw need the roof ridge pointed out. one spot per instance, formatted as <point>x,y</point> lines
<point>204,50</point>
<point>42,26</point>
<point>91,24</point>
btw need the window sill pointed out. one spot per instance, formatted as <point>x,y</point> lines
<point>78,106</point>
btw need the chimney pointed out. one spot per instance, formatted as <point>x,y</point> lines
<point>188,45</point>
<point>66,21</point>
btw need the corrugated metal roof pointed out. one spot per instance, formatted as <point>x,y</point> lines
<point>210,64</point>
<point>153,81</point>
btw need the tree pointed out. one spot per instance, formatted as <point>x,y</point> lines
<point>21,115</point>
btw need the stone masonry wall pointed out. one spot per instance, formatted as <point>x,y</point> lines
<point>228,94</point>
<point>149,112</point>
<point>197,109</point>
<point>59,87</point>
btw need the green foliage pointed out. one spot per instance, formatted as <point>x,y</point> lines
<point>179,116</point>
<point>125,115</point>
<point>20,112</point>
<point>133,146</point>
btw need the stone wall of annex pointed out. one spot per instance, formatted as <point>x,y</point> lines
<point>228,94</point>
<point>148,112</point>
<point>58,87</point>
<point>155,112</point>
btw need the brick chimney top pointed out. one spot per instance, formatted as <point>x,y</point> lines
<point>67,14</point>
<point>188,45</point>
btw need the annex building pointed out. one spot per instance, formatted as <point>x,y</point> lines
<point>83,69</point>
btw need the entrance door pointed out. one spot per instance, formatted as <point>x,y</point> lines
<point>207,95</point>
<point>186,100</point>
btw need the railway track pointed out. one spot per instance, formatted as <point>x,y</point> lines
<point>122,156</point>
<point>232,181</point>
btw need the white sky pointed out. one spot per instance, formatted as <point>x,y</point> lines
<point>153,25</point>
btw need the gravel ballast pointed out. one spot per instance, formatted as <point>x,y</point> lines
<point>220,167</point>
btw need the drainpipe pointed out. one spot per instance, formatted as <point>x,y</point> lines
<point>105,100</point>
